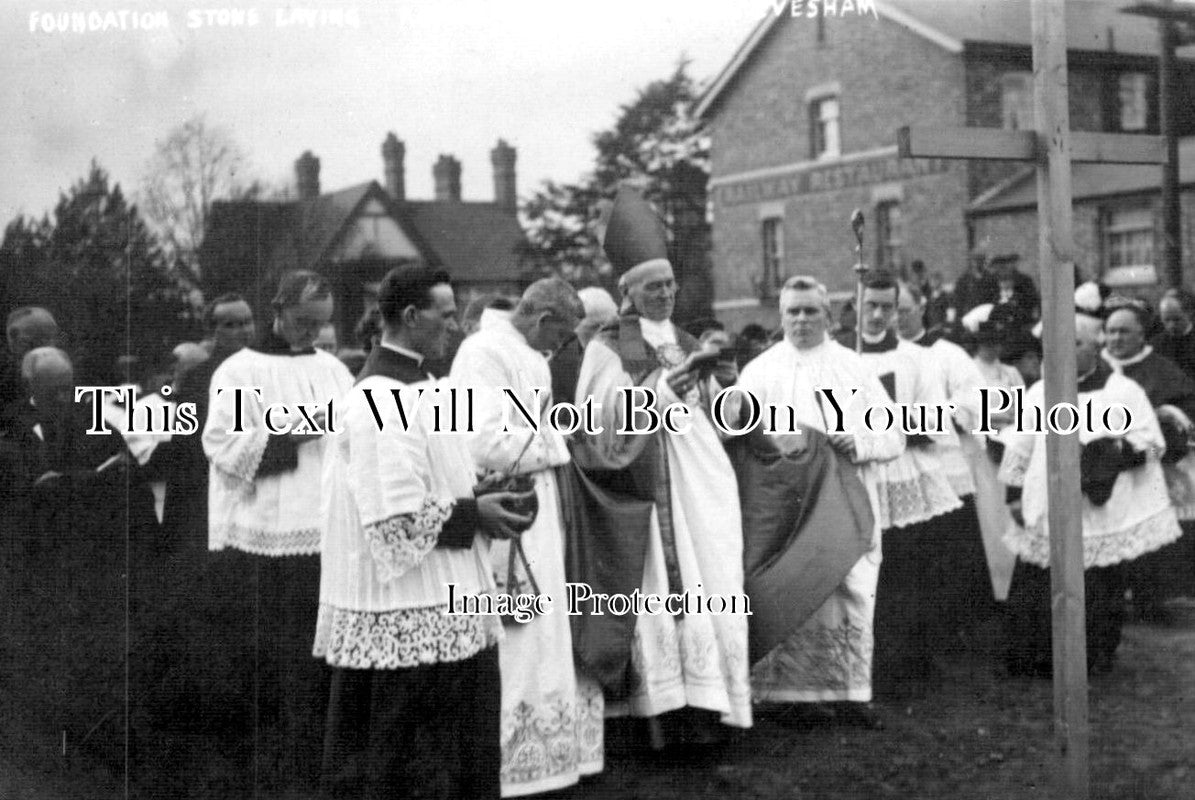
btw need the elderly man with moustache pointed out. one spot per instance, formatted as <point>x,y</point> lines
<point>1126,510</point>
<point>690,538</point>
<point>827,659</point>
<point>263,518</point>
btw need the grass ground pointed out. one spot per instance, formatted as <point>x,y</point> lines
<point>979,736</point>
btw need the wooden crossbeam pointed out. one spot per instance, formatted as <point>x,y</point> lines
<point>1052,147</point>
<point>993,144</point>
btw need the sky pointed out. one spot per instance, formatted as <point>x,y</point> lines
<point>447,76</point>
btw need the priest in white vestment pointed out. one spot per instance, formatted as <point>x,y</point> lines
<point>693,540</point>
<point>829,659</point>
<point>551,716</point>
<point>263,521</point>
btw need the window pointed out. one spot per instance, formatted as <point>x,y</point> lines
<point>1129,246</point>
<point>889,235</point>
<point>773,256</point>
<point>1016,101</point>
<point>823,127</point>
<point>1134,105</point>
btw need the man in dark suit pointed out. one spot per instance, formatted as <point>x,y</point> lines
<point>28,327</point>
<point>229,321</point>
<point>1177,339</point>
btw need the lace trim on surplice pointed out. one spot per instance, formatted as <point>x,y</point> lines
<point>1101,550</point>
<point>401,639</point>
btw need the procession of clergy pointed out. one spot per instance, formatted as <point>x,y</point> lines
<point>866,557</point>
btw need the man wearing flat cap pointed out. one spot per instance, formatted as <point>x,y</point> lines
<point>688,538</point>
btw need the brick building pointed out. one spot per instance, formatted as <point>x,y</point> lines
<point>357,234</point>
<point>803,123</point>
<point>1117,220</point>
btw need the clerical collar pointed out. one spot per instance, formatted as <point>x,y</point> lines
<point>881,344</point>
<point>274,345</point>
<point>396,363</point>
<point>926,338</point>
<point>810,352</point>
<point>492,317</point>
<point>1119,364</point>
<point>1096,379</point>
<point>402,351</point>
<point>656,332</point>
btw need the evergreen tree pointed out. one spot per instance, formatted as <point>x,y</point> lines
<point>100,271</point>
<point>657,145</point>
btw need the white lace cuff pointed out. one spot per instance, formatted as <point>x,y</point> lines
<point>400,542</point>
<point>914,500</point>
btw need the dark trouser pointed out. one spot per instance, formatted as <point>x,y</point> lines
<point>960,589</point>
<point>1029,641</point>
<point>905,599</point>
<point>243,698</point>
<point>1165,573</point>
<point>430,731</point>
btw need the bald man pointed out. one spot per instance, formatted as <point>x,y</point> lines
<point>81,538</point>
<point>539,680</point>
<point>1177,339</point>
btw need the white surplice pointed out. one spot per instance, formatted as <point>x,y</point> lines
<point>700,659</point>
<point>273,515</point>
<point>829,658</point>
<point>552,717</point>
<point>1136,519</point>
<point>914,487</point>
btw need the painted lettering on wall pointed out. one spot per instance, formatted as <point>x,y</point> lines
<point>812,180</point>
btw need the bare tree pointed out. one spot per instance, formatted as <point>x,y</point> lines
<point>195,164</point>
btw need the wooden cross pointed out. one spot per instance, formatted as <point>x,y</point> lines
<point>1052,146</point>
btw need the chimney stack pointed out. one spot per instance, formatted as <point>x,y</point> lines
<point>307,176</point>
<point>393,152</point>
<point>503,158</point>
<point>447,173</point>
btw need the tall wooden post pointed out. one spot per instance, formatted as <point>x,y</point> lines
<point>1056,247</point>
<point>1052,147</point>
<point>1171,239</point>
